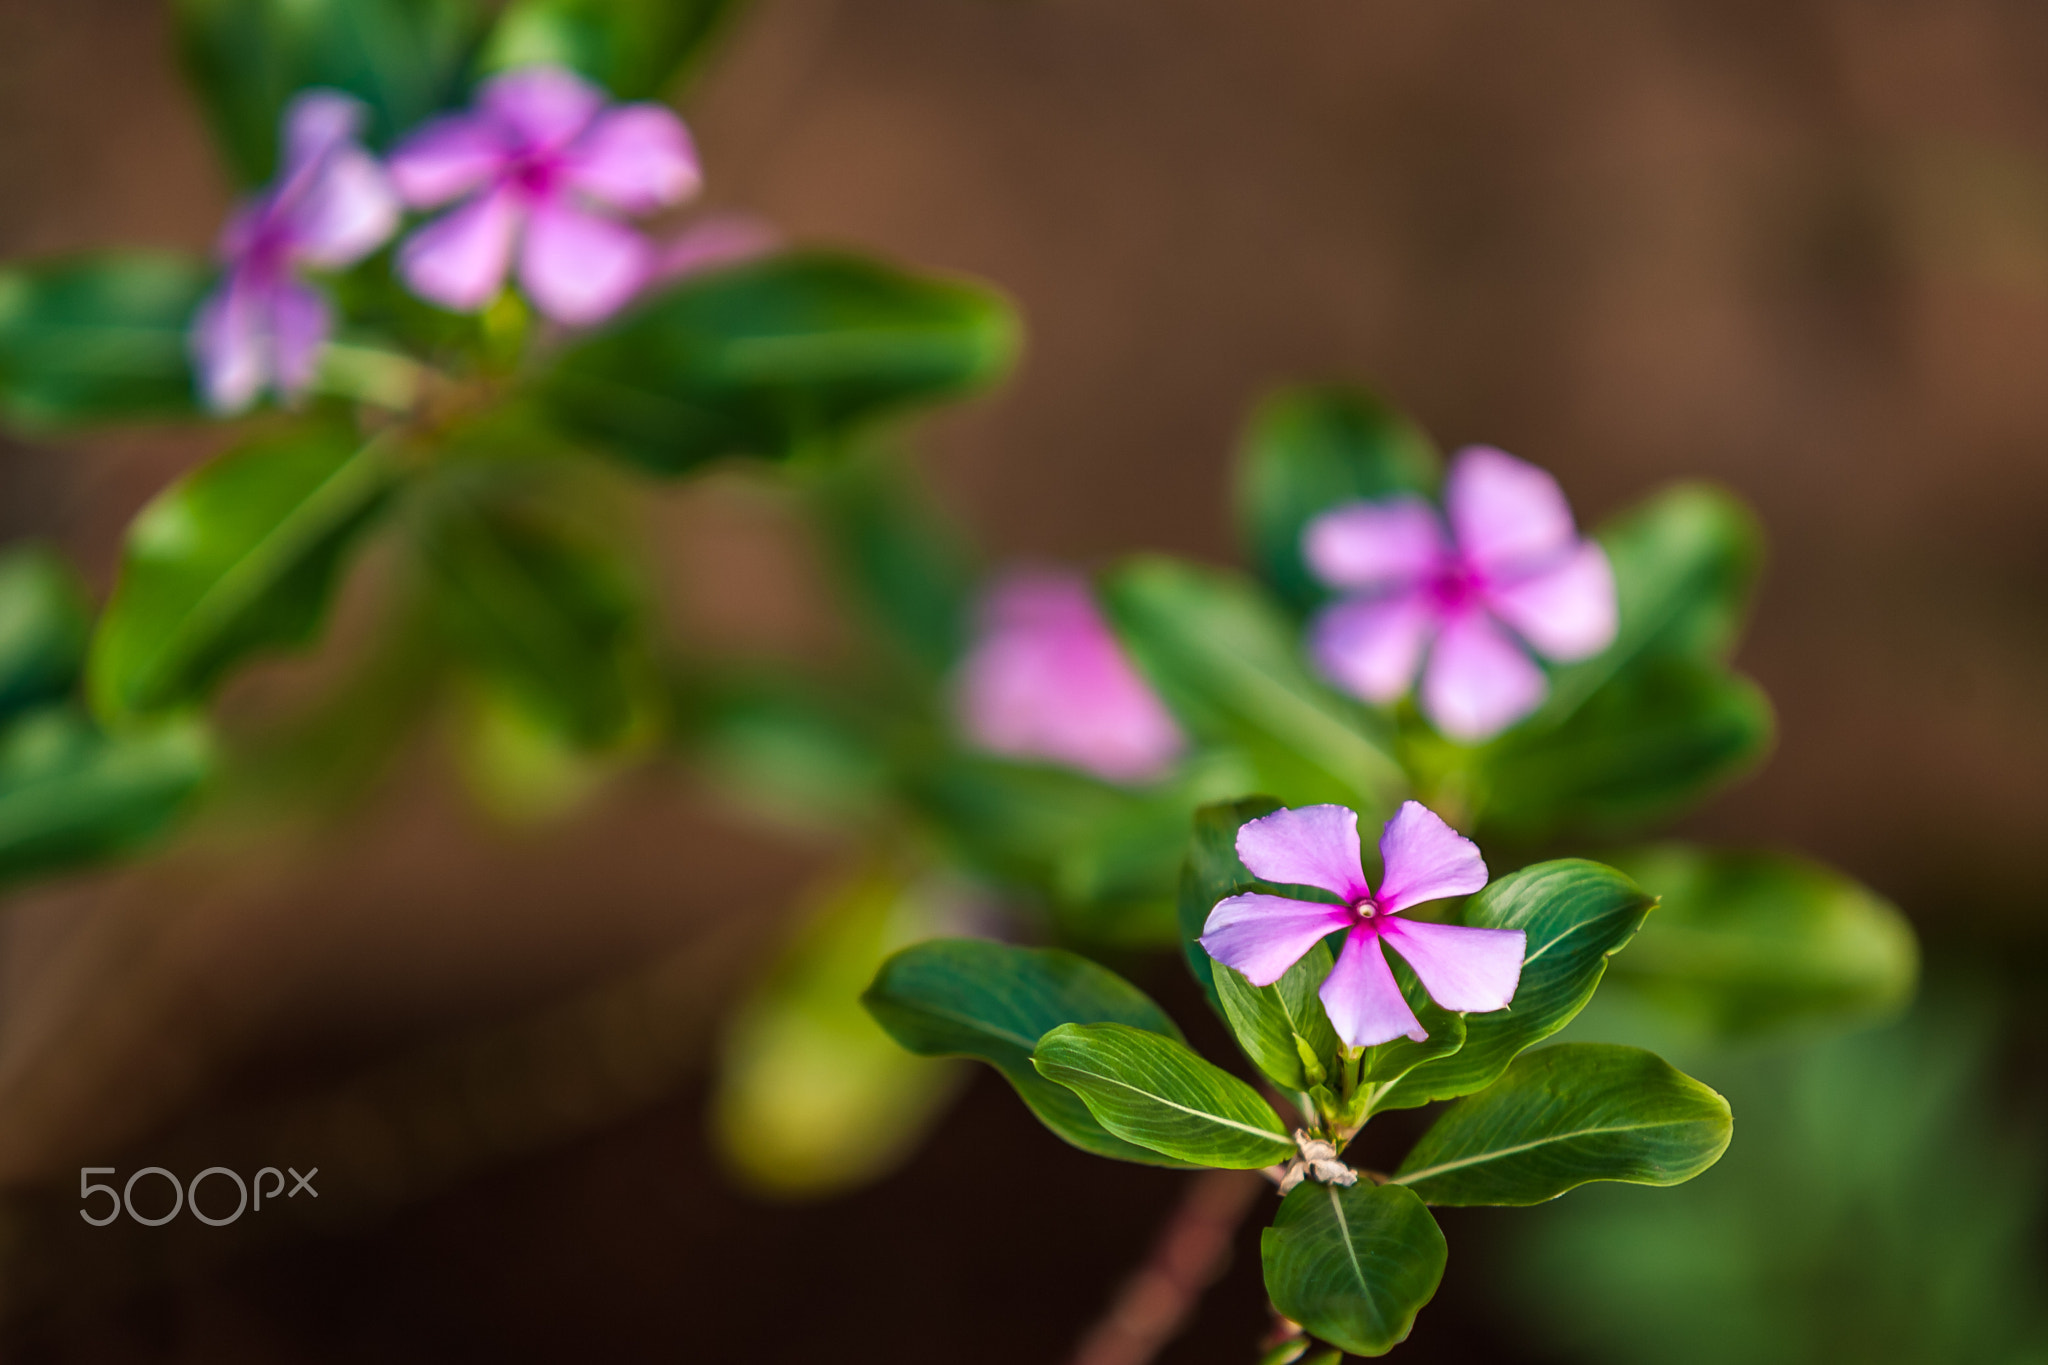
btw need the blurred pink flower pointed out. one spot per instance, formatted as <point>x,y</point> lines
<point>1424,860</point>
<point>1513,571</point>
<point>1046,679</point>
<point>713,241</point>
<point>330,206</point>
<point>545,167</point>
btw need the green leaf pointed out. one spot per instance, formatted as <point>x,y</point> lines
<point>543,608</point>
<point>1383,1067</point>
<point>1563,1117</point>
<point>812,1096</point>
<point>971,998</point>
<point>1283,1027</point>
<point>1577,914</point>
<point>774,356</point>
<point>405,59</point>
<point>1151,1090</point>
<point>237,557</point>
<point>45,621</point>
<point>1748,944</point>
<point>70,795</point>
<point>910,572</point>
<point>1353,1264</point>
<point>1666,732</point>
<point>99,338</point>
<point>1213,872</point>
<point>1311,449</point>
<point>1229,665</point>
<point>636,49</point>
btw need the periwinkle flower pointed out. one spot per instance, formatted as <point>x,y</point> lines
<point>1511,572</point>
<point>1424,859</point>
<point>330,206</point>
<point>1046,679</point>
<point>543,165</point>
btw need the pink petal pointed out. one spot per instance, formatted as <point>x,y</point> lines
<point>544,106</point>
<point>719,240</point>
<point>316,123</point>
<point>299,323</point>
<point>635,158</point>
<point>1566,611</point>
<point>1478,681</point>
<point>1362,998</point>
<point>1508,515</point>
<point>1462,969</point>
<point>459,260</point>
<point>229,349</point>
<point>347,210</point>
<point>1366,545</point>
<point>448,158</point>
<point>1425,860</point>
<point>1262,936</point>
<point>1373,648</point>
<point>579,268</point>
<point>1307,846</point>
<point>1047,679</point>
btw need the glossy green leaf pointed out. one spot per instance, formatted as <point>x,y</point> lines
<point>1746,944</point>
<point>812,1096</point>
<point>237,557</point>
<point>45,621</point>
<point>1564,1116</point>
<point>99,338</point>
<point>1309,450</point>
<point>544,609</point>
<point>1353,1264</point>
<point>1383,1067</point>
<point>405,59</point>
<point>636,49</point>
<point>1151,1090</point>
<point>1666,732</point>
<point>70,795</point>
<point>1213,872</point>
<point>1577,914</point>
<point>1229,665</point>
<point>973,998</point>
<point>778,355</point>
<point>1283,1027</point>
<point>910,572</point>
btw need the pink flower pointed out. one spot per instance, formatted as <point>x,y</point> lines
<point>1425,860</point>
<point>1513,572</point>
<point>1046,679</point>
<point>330,206</point>
<point>542,167</point>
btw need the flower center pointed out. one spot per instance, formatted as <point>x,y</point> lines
<point>536,173</point>
<point>1364,908</point>
<point>1454,585</point>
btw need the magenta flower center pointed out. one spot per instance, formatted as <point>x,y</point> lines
<point>536,174</point>
<point>1454,585</point>
<point>1366,908</point>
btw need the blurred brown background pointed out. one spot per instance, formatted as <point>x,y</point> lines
<point>1797,246</point>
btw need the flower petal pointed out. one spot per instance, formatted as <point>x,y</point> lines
<point>299,324</point>
<point>546,107</point>
<point>717,240</point>
<point>1461,968</point>
<point>448,158</point>
<point>1306,846</point>
<point>1507,514</point>
<point>1425,860</point>
<point>1567,611</point>
<point>1047,679</point>
<point>1372,648</point>
<point>1479,682</point>
<point>347,211</point>
<point>459,260</point>
<point>579,268</point>
<point>229,349</point>
<point>317,122</point>
<point>1262,936</point>
<point>1367,545</point>
<point>1362,998</point>
<point>635,158</point>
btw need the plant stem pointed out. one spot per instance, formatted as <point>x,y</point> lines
<point>1156,1302</point>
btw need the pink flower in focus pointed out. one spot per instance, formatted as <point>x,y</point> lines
<point>330,206</point>
<point>544,167</point>
<point>1511,572</point>
<point>1047,680</point>
<point>1425,860</point>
